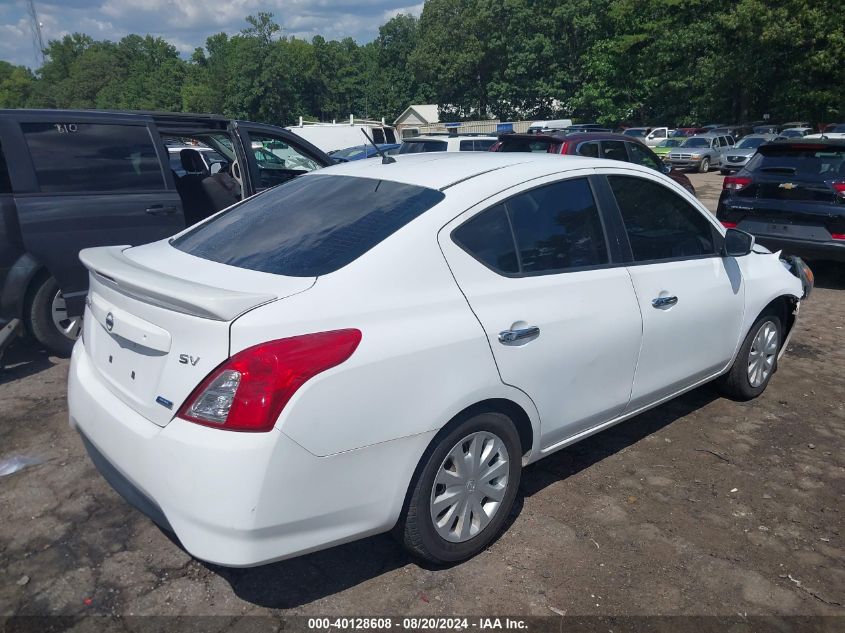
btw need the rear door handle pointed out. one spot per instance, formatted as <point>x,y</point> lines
<point>512,336</point>
<point>664,302</point>
<point>160,209</point>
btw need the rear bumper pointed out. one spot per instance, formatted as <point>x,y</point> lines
<point>238,499</point>
<point>832,251</point>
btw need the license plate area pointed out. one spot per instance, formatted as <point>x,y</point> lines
<point>792,231</point>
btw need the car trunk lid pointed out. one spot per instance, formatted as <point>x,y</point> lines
<point>153,335</point>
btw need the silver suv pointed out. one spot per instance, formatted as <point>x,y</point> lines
<point>701,152</point>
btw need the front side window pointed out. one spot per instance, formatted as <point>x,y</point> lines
<point>553,228</point>
<point>659,223</point>
<point>309,226</point>
<point>641,156</point>
<point>93,157</point>
<point>276,161</point>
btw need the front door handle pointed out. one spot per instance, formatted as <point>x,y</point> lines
<point>512,336</point>
<point>160,209</point>
<point>664,302</point>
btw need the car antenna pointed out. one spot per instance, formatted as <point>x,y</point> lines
<point>385,159</point>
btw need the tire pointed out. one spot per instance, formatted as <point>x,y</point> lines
<point>416,528</point>
<point>741,382</point>
<point>58,338</point>
<point>704,167</point>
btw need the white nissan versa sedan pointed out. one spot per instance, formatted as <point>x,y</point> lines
<point>376,346</point>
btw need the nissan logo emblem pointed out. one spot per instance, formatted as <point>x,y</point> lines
<point>109,321</point>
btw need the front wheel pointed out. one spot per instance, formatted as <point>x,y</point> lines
<point>756,361</point>
<point>463,493</point>
<point>48,319</point>
<point>704,167</point>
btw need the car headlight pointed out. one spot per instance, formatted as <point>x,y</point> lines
<point>696,156</point>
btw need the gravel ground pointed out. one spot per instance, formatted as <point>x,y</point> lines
<point>701,506</point>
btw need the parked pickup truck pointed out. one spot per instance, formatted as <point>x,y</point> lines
<point>702,152</point>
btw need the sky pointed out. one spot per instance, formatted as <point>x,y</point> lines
<point>187,23</point>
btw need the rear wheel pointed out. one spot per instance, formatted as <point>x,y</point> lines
<point>465,490</point>
<point>704,167</point>
<point>756,361</point>
<point>48,319</point>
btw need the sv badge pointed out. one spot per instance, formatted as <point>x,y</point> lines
<point>185,359</point>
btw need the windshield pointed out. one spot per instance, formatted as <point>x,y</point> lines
<point>418,147</point>
<point>670,142</point>
<point>697,142</point>
<point>636,131</point>
<point>309,226</point>
<point>750,143</point>
<point>351,152</point>
<point>836,127</point>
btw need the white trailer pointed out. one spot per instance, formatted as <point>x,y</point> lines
<point>334,136</point>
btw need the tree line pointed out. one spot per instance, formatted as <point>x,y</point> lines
<point>611,61</point>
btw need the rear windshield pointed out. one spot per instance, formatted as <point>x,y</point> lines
<point>310,226</point>
<point>635,131</point>
<point>521,144</point>
<point>418,147</point>
<point>825,163</point>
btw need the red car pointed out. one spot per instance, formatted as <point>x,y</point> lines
<point>594,144</point>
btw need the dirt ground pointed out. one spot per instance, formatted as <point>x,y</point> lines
<point>701,506</point>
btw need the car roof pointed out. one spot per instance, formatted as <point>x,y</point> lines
<point>446,137</point>
<point>441,170</point>
<point>573,136</point>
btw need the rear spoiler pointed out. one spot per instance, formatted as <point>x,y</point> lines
<point>109,266</point>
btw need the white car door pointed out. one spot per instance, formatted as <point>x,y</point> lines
<point>692,299</point>
<point>561,318</point>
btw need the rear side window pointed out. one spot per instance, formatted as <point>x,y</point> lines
<point>659,223</point>
<point>5,182</point>
<point>589,149</point>
<point>81,157</point>
<point>614,150</point>
<point>488,238</point>
<point>549,229</point>
<point>418,147</point>
<point>310,226</point>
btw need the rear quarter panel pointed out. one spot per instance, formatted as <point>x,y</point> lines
<point>422,359</point>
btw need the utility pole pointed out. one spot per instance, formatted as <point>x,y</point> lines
<point>37,39</point>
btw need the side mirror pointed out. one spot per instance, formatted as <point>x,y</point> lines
<point>666,169</point>
<point>737,243</point>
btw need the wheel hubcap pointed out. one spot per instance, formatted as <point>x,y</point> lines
<point>469,486</point>
<point>68,326</point>
<point>761,358</point>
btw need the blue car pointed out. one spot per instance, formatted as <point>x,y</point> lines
<point>362,151</point>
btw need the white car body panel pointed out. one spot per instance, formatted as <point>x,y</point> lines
<point>428,352</point>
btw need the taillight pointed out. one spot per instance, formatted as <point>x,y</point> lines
<point>249,391</point>
<point>839,187</point>
<point>838,236</point>
<point>564,147</point>
<point>728,225</point>
<point>736,183</point>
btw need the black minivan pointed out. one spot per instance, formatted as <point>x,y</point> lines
<point>70,179</point>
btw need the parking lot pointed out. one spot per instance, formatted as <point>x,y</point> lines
<point>700,506</point>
